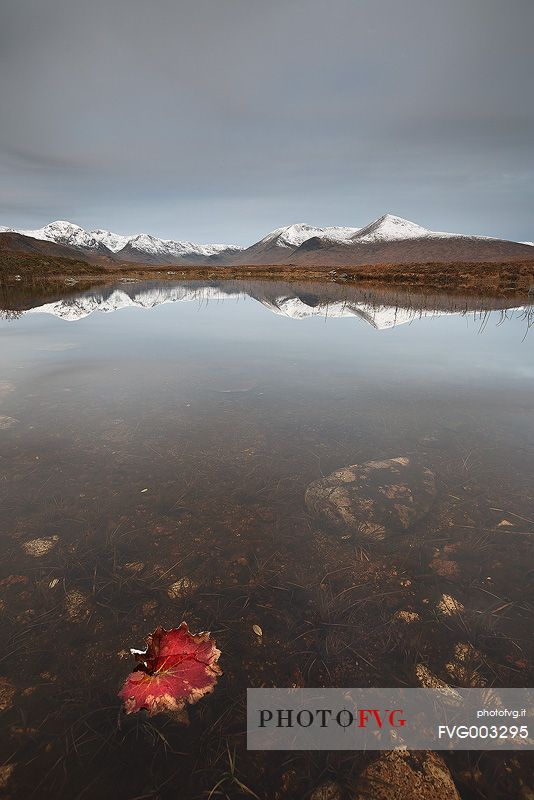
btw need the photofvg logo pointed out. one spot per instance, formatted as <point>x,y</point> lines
<point>325,717</point>
<point>385,719</point>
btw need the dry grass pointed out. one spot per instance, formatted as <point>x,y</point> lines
<point>506,277</point>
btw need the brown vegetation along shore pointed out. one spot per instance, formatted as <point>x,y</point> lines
<point>514,276</point>
<point>496,278</point>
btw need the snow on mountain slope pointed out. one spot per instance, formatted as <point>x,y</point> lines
<point>294,235</point>
<point>153,246</point>
<point>145,243</point>
<point>113,241</point>
<point>61,232</point>
<point>390,228</point>
<point>275,247</point>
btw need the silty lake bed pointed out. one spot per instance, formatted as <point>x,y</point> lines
<point>157,442</point>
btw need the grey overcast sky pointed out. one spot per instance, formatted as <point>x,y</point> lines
<point>218,120</point>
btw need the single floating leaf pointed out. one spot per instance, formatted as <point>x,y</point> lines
<point>178,667</point>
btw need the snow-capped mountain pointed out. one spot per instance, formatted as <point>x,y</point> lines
<point>393,240</point>
<point>62,232</point>
<point>113,241</point>
<point>144,243</point>
<point>390,228</point>
<point>134,247</point>
<point>277,246</point>
<point>294,235</point>
<point>151,245</point>
<point>388,239</point>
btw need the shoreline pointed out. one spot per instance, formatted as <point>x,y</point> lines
<point>499,279</point>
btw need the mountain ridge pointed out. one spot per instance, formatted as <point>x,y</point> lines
<point>387,239</point>
<point>141,247</point>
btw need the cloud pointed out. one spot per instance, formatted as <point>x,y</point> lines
<point>224,118</point>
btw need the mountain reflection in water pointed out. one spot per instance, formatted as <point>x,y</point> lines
<point>381,308</point>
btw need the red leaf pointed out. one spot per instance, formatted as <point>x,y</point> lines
<point>177,667</point>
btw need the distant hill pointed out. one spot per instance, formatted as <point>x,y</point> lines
<point>452,249</point>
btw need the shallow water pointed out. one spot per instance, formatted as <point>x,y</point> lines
<point>160,431</point>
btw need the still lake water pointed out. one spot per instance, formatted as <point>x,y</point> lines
<point>160,438</point>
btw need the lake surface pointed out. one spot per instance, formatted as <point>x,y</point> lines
<point>159,438</point>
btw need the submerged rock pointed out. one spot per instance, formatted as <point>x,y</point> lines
<point>7,422</point>
<point>5,388</point>
<point>375,498</point>
<point>403,775</point>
